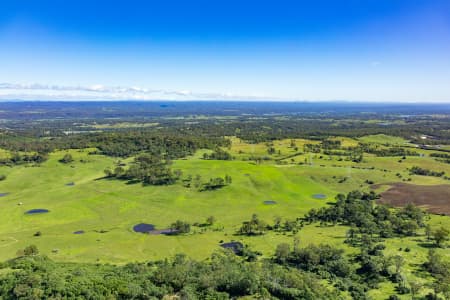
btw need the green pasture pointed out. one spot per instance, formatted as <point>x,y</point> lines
<point>383,140</point>
<point>94,205</point>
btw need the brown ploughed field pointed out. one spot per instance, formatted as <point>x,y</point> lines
<point>434,198</point>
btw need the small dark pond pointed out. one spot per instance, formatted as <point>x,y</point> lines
<point>270,202</point>
<point>37,211</point>
<point>319,196</point>
<point>143,227</point>
<point>236,247</point>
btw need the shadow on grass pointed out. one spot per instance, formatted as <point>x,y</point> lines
<point>111,178</point>
<point>419,271</point>
<point>104,178</point>
<point>427,245</point>
<point>133,181</point>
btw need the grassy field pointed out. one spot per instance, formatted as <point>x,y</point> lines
<point>384,140</point>
<point>95,205</point>
<point>107,209</point>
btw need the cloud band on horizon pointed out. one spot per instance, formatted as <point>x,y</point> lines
<point>38,91</point>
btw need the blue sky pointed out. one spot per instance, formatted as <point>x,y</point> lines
<point>360,50</point>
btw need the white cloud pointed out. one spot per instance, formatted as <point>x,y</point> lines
<point>97,88</point>
<point>37,91</point>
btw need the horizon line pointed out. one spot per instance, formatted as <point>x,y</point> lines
<point>338,101</point>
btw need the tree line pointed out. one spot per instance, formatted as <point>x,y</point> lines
<point>223,276</point>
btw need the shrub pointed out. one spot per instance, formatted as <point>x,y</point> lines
<point>67,158</point>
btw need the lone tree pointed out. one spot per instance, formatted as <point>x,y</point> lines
<point>282,252</point>
<point>415,288</point>
<point>398,261</point>
<point>428,232</point>
<point>440,235</point>
<point>67,158</point>
<point>108,172</point>
<point>31,250</point>
<point>210,220</point>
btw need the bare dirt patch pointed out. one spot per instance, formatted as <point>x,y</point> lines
<point>434,198</point>
<point>167,231</point>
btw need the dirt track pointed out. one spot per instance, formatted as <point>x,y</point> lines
<point>435,198</point>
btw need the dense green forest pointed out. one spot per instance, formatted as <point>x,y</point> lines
<point>224,276</point>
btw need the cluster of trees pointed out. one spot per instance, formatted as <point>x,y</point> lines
<point>314,148</point>
<point>169,142</point>
<point>444,160</point>
<point>369,225</point>
<point>287,226</point>
<point>440,235</point>
<point>415,170</point>
<point>389,151</point>
<point>154,170</point>
<point>365,270</point>
<point>20,159</point>
<point>356,154</point>
<point>148,169</point>
<point>357,209</point>
<point>271,149</point>
<point>224,276</point>
<point>216,183</point>
<point>440,270</point>
<point>334,147</point>
<point>218,154</point>
<point>269,129</point>
<point>180,227</point>
<point>255,226</point>
<point>319,259</point>
<point>356,275</point>
<point>30,250</point>
<point>210,185</point>
<point>331,144</point>
<point>440,155</point>
<point>25,141</point>
<point>165,142</point>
